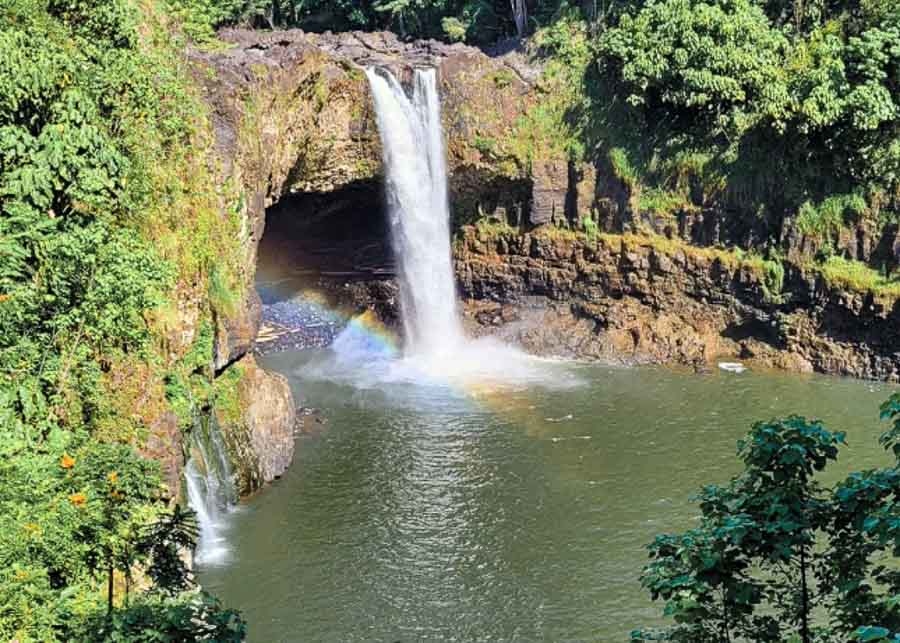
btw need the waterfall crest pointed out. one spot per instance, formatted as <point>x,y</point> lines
<point>419,213</point>
<point>210,490</point>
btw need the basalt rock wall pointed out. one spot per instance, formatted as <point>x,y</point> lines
<point>640,300</point>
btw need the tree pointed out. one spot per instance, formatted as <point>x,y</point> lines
<point>713,67</point>
<point>773,546</point>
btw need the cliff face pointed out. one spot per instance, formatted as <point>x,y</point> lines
<point>649,300</point>
<point>292,115</point>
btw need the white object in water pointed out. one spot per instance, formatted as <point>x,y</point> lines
<point>732,367</point>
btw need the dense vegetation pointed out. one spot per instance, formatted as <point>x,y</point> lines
<point>100,185</point>
<point>779,557</point>
<point>112,214</point>
<point>478,21</point>
<point>775,109</point>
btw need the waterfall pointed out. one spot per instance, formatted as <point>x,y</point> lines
<point>435,348</point>
<point>210,490</point>
<point>419,214</point>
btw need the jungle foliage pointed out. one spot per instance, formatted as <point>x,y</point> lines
<point>93,111</point>
<point>779,557</point>
<point>474,21</point>
<point>774,109</point>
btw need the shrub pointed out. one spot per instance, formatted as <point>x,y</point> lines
<point>710,65</point>
<point>776,556</point>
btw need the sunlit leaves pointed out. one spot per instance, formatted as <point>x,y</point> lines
<point>711,60</point>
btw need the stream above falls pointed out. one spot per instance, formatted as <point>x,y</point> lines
<point>447,513</point>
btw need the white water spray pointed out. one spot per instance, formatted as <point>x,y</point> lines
<point>210,491</point>
<point>416,182</point>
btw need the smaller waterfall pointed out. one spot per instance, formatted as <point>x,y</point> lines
<point>210,490</point>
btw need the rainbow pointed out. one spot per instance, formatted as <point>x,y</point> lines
<point>365,342</point>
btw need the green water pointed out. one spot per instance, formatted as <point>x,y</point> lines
<point>434,514</point>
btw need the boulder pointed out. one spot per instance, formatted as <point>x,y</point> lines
<point>256,414</point>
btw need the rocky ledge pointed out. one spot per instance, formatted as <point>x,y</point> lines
<point>258,424</point>
<point>633,299</point>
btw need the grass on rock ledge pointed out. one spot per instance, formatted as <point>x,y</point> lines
<point>837,272</point>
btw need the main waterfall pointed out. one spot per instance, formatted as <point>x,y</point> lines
<point>435,349</point>
<point>419,214</point>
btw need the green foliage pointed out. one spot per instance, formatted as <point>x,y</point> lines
<point>226,395</point>
<point>590,228</point>
<point>772,271</point>
<point>77,517</point>
<point>163,543</point>
<point>476,21</point>
<point>663,202</point>
<point>91,121</point>
<point>713,65</point>
<point>829,216</point>
<point>194,616</point>
<point>793,106</point>
<point>858,277</point>
<point>76,283</point>
<point>623,167</point>
<point>777,557</point>
<point>454,28</point>
<point>221,296</point>
<point>553,127</point>
<point>69,514</point>
<point>198,18</point>
<point>774,279</point>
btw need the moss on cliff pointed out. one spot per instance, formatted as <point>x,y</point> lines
<point>293,129</point>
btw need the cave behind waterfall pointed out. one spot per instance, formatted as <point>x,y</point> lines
<point>324,257</point>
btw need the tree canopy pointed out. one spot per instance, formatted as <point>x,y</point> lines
<point>778,557</point>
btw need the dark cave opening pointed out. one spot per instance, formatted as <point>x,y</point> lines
<point>323,259</point>
<point>313,240</point>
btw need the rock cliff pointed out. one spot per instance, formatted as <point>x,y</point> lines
<point>652,300</point>
<point>293,118</point>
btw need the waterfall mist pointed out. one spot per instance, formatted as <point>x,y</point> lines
<point>435,350</point>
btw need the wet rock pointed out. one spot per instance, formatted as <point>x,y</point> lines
<point>259,429</point>
<point>550,179</point>
<point>636,303</point>
<point>163,445</point>
<point>236,334</point>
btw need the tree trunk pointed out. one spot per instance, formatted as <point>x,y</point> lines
<point>109,591</point>
<point>520,15</point>
<point>804,598</point>
<point>725,625</point>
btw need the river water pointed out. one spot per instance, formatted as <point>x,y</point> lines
<point>460,513</point>
<point>460,490</point>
